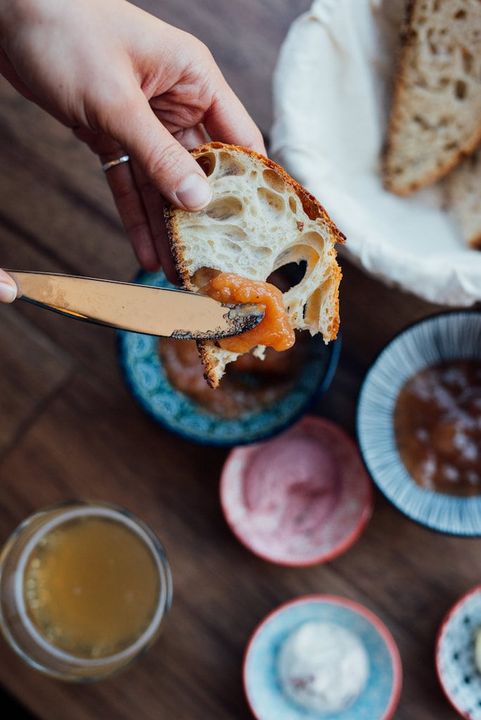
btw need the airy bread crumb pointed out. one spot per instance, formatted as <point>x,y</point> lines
<point>259,220</point>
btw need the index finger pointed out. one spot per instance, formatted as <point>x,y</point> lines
<point>227,120</point>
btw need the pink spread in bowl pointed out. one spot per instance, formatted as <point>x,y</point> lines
<point>299,499</point>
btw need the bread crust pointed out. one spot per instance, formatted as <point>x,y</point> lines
<point>208,364</point>
<point>399,87</point>
<point>402,189</point>
<point>313,209</point>
<point>336,321</point>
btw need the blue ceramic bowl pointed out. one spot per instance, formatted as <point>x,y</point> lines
<point>377,701</point>
<point>146,378</point>
<point>447,336</point>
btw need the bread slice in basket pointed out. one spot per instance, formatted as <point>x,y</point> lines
<point>259,220</point>
<point>463,191</point>
<point>436,111</point>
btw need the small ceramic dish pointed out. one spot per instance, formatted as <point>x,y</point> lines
<point>146,378</point>
<point>380,696</point>
<point>455,666</point>
<point>447,336</point>
<point>299,499</point>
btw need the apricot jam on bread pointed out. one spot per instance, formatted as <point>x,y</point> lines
<point>275,330</point>
<point>259,220</point>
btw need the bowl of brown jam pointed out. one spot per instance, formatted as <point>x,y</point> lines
<point>419,422</point>
<point>255,400</point>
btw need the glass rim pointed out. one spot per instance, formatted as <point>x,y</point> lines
<point>73,509</point>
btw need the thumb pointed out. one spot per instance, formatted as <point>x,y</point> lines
<point>8,288</point>
<point>170,167</point>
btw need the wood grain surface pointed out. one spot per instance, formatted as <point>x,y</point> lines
<point>69,428</point>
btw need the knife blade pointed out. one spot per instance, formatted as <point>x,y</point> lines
<point>138,308</point>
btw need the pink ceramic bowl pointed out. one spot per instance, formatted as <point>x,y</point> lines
<point>299,499</point>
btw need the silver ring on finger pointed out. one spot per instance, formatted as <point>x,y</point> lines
<point>106,166</point>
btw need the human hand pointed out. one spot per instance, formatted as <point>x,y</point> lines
<point>8,288</point>
<point>127,82</point>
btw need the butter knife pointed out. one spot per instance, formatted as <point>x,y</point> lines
<point>138,308</point>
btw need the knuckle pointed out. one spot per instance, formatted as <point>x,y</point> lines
<point>206,54</point>
<point>200,49</point>
<point>194,51</point>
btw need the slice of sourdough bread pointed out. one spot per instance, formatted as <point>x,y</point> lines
<point>259,219</point>
<point>436,112</point>
<point>463,194</point>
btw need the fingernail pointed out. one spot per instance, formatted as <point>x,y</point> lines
<point>8,292</point>
<point>194,193</point>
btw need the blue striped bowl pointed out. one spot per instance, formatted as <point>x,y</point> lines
<point>446,336</point>
<point>379,698</point>
<point>146,378</point>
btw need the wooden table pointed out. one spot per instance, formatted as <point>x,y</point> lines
<point>69,428</point>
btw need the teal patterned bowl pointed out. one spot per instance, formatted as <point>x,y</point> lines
<point>146,378</point>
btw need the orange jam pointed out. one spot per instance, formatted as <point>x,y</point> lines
<point>275,330</point>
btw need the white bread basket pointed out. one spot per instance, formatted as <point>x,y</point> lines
<point>331,102</point>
